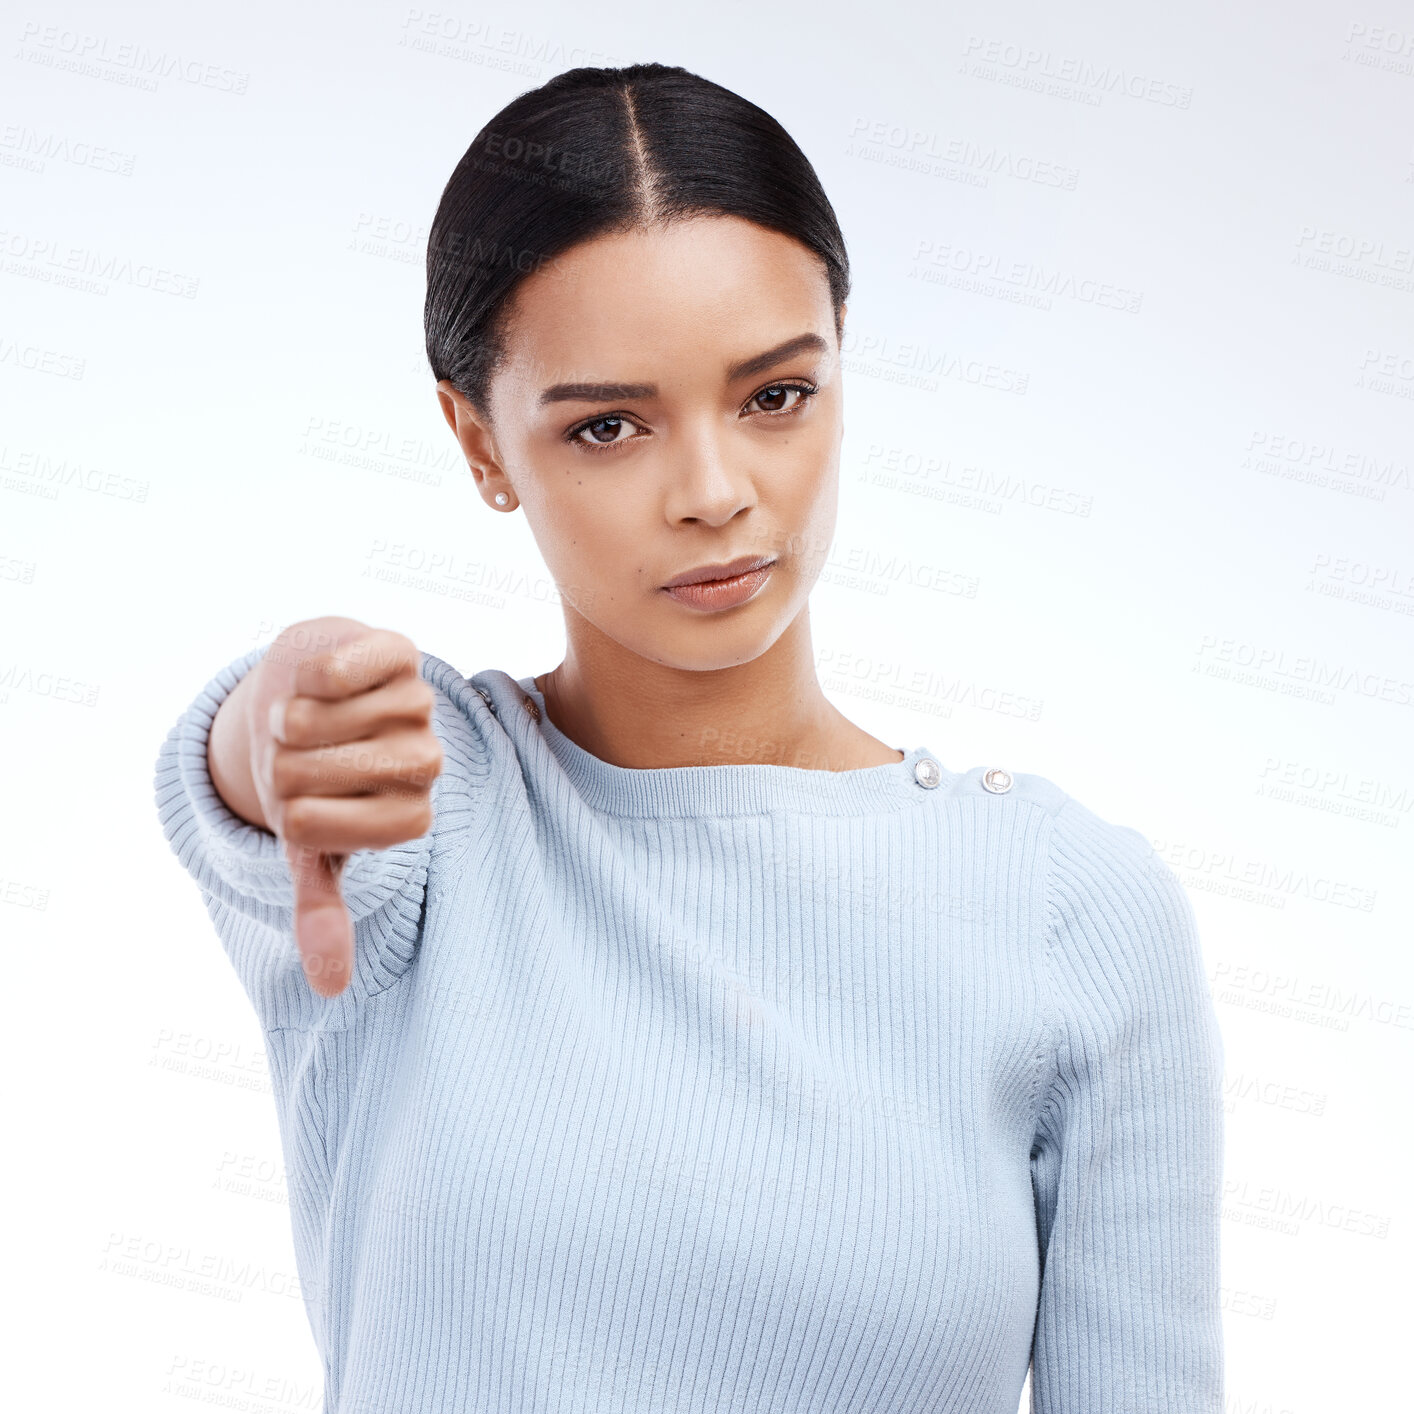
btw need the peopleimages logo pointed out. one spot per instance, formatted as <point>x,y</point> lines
<point>926,150</point>
<point>57,261</point>
<point>125,62</point>
<point>919,365</point>
<point>1065,76</point>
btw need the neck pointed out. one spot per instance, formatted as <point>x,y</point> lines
<point>631,711</point>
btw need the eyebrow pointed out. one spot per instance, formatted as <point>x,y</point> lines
<point>610,392</point>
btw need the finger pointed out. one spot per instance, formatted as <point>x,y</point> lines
<point>323,927</point>
<point>312,721</point>
<point>342,824</point>
<point>304,641</point>
<point>366,660</point>
<point>397,763</point>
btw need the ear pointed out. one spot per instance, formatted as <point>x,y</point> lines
<point>475,438</point>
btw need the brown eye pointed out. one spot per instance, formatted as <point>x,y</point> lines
<point>604,431</point>
<point>773,399</point>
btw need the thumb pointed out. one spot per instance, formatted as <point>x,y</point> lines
<point>323,928</point>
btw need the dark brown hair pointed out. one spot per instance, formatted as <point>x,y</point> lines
<point>596,151</point>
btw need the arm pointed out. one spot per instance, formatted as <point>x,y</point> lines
<point>1128,1152</point>
<point>244,877</point>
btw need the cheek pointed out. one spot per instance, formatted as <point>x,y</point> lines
<point>805,511</point>
<point>590,532</point>
<point>809,505</point>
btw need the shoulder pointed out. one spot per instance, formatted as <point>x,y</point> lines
<point>462,722</point>
<point>1080,839</point>
<point>457,690</point>
<point>1116,912</point>
<point>1109,893</point>
<point>1106,868</point>
<point>460,702</point>
<point>1071,823</point>
<point>1023,789</point>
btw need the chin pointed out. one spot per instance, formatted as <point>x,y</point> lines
<point>708,642</point>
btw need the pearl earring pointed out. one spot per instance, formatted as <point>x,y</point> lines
<point>501,498</point>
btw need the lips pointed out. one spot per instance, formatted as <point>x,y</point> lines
<point>711,593</point>
<point>706,574</point>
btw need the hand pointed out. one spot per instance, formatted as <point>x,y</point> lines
<point>343,757</point>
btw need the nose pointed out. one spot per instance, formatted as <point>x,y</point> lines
<point>704,485</point>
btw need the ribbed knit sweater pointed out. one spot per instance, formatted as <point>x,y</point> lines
<point>741,1087</point>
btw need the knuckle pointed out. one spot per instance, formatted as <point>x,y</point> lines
<point>337,668</point>
<point>381,652</point>
<point>283,772</point>
<point>298,718</point>
<point>297,820</point>
<point>419,768</point>
<point>429,757</point>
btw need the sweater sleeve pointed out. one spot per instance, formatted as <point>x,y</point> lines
<point>1127,1158</point>
<point>245,879</point>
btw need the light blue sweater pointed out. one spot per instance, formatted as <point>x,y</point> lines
<point>740,1087</point>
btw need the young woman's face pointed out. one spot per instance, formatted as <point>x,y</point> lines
<point>714,433</point>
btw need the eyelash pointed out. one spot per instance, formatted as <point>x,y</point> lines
<point>807,390</point>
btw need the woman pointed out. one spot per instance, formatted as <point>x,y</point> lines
<point>667,1041</point>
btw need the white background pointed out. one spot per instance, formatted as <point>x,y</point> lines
<point>1172,569</point>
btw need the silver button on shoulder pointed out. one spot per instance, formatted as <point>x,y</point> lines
<point>927,772</point>
<point>997,780</point>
